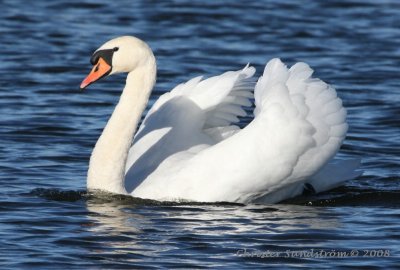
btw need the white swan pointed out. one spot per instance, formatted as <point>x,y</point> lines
<point>188,146</point>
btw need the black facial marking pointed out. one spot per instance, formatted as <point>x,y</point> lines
<point>105,54</point>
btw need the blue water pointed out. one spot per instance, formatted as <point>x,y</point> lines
<point>48,129</point>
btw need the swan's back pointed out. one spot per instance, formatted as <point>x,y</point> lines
<point>298,127</point>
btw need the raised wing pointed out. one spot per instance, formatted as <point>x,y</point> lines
<point>299,125</point>
<point>220,98</point>
<point>316,102</point>
<point>311,100</point>
<point>194,115</point>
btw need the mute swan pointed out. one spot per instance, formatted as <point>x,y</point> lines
<point>188,146</point>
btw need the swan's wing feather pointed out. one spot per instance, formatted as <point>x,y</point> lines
<point>324,111</point>
<point>220,101</point>
<point>221,98</point>
<point>299,125</point>
<point>198,112</point>
<point>221,133</point>
<point>313,101</point>
<point>231,106</point>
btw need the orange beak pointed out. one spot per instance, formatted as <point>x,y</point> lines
<point>100,70</point>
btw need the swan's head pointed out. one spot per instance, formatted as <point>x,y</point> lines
<point>122,54</point>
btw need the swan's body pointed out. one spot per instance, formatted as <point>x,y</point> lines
<point>189,148</point>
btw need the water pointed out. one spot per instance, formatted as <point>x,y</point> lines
<point>48,129</point>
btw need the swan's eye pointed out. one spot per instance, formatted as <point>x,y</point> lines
<point>94,59</point>
<point>115,49</point>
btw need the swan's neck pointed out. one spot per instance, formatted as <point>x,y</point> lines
<point>108,159</point>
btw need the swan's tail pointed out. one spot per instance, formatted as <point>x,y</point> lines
<point>335,173</point>
<point>332,175</point>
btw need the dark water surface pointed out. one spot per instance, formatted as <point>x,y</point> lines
<point>48,129</point>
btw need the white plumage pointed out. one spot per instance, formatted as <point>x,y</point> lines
<point>189,145</point>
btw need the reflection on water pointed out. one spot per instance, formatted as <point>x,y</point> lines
<point>112,218</point>
<point>163,227</point>
<point>178,233</point>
